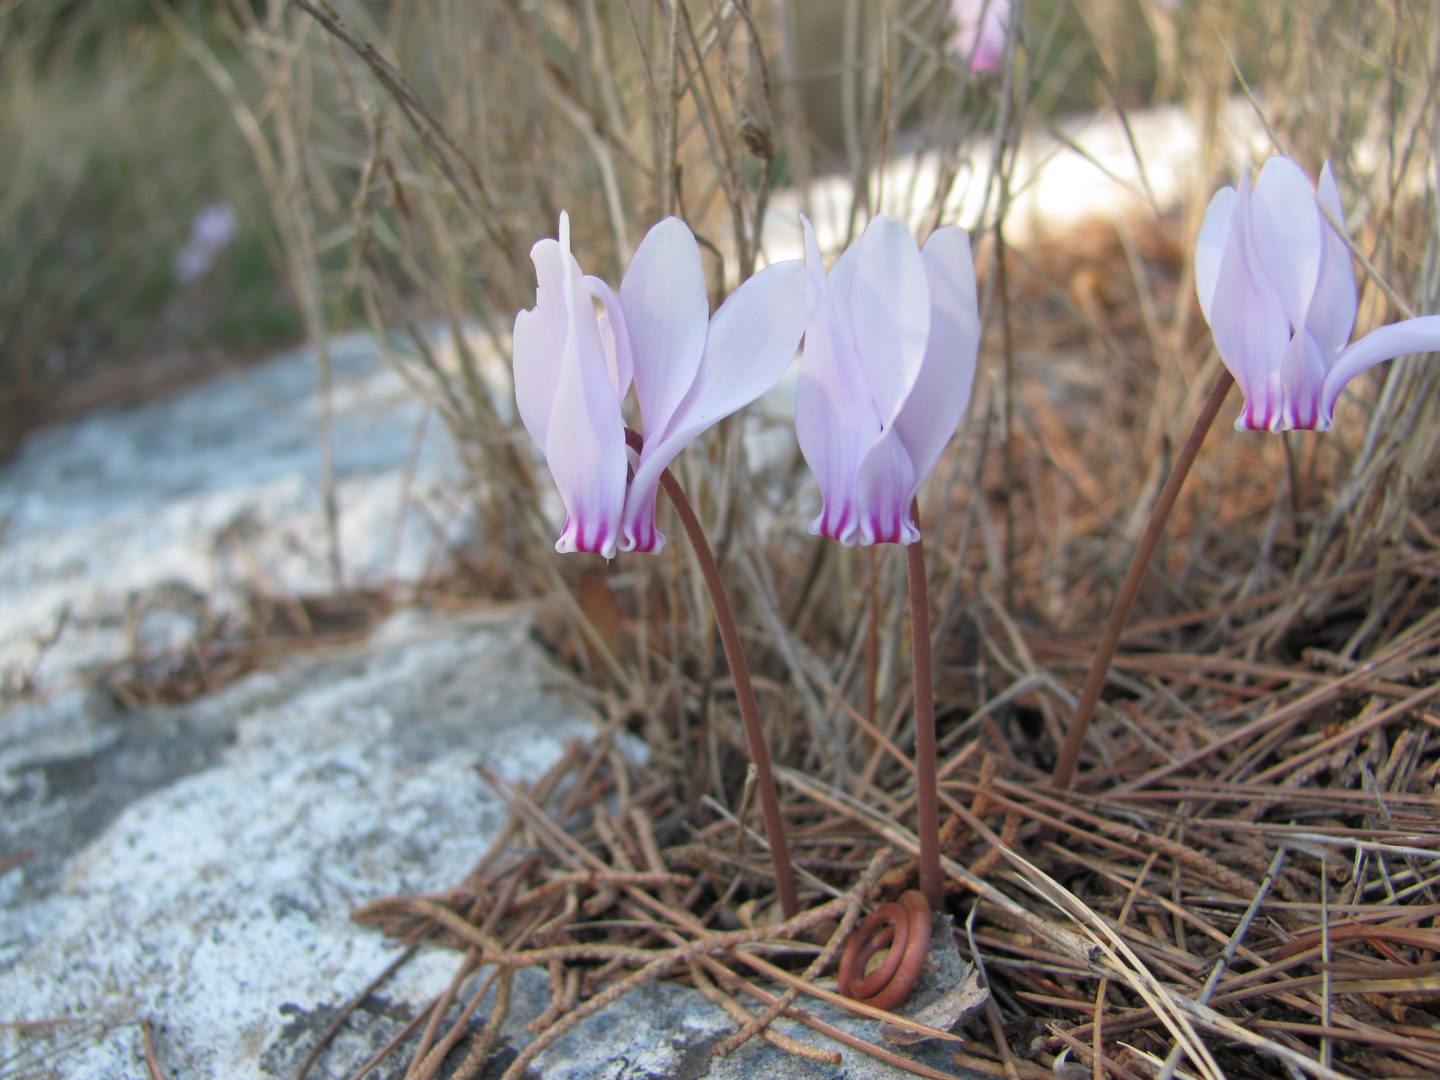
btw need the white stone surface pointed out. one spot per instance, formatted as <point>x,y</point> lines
<point>1088,168</point>
<point>192,500</point>
<point>218,905</point>
<point>197,865</point>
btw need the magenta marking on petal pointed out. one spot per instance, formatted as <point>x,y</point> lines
<point>576,532</point>
<point>837,522</point>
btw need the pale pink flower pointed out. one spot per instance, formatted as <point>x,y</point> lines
<point>573,368</point>
<point>890,342</point>
<point>980,32</point>
<point>1277,287</point>
<point>211,231</point>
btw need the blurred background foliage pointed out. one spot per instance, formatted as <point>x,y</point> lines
<point>112,138</point>
<point>111,141</point>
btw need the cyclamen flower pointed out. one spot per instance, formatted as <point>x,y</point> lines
<point>1277,287</point>
<point>980,32</point>
<point>890,343</point>
<point>573,369</point>
<point>211,231</point>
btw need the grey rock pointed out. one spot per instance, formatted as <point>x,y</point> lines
<point>200,863</point>
<point>217,887</point>
<point>125,528</point>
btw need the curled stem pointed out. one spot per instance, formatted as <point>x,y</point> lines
<point>744,692</point>
<point>903,929</point>
<point>1100,665</point>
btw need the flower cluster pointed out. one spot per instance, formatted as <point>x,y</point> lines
<point>890,342</point>
<point>890,337</point>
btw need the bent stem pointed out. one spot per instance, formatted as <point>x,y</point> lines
<point>1100,666</point>
<point>927,804</point>
<point>744,692</point>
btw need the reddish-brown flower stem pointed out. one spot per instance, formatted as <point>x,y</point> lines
<point>1100,666</point>
<point>927,803</point>
<point>744,692</point>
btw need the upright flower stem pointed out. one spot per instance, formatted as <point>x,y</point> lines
<point>1100,666</point>
<point>927,803</point>
<point>744,692</point>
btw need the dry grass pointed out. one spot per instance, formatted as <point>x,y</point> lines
<point>1259,781</point>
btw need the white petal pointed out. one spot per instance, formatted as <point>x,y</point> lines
<point>567,401</point>
<point>1332,311</point>
<point>1302,376</point>
<point>586,452</point>
<point>1247,321</point>
<point>614,337</point>
<point>841,278</point>
<point>942,390</point>
<point>888,305</point>
<point>585,445</point>
<point>666,310</point>
<point>1287,235</point>
<point>883,489</point>
<point>1210,245</point>
<point>1420,335</point>
<point>637,525</point>
<point>749,344</point>
<point>836,422</point>
<point>539,341</point>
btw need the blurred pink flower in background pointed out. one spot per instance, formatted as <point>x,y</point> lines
<point>890,341</point>
<point>1277,287</point>
<point>980,32</point>
<point>211,231</point>
<point>573,369</point>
